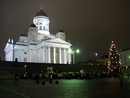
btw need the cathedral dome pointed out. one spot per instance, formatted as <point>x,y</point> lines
<point>41,20</point>
<point>41,13</point>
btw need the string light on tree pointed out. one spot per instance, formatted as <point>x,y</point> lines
<point>114,61</point>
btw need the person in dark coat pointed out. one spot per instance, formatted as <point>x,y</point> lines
<point>120,79</point>
<point>16,78</point>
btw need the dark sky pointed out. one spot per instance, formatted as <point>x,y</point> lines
<point>90,25</point>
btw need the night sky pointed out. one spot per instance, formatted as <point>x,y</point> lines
<point>90,25</point>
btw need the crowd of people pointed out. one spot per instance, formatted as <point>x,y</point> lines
<point>62,75</point>
<point>50,75</point>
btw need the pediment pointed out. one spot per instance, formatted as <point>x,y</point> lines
<point>58,41</point>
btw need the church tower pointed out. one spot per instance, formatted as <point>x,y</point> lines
<point>32,34</point>
<point>42,21</point>
<point>61,34</point>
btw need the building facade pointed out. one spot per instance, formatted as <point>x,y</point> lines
<point>39,46</point>
<point>125,57</point>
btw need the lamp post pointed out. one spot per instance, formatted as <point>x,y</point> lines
<point>74,51</point>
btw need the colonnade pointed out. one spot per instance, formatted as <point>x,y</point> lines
<point>45,54</point>
<point>58,55</point>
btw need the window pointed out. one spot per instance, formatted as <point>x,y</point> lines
<point>40,27</point>
<point>25,52</point>
<point>25,59</point>
<point>44,28</point>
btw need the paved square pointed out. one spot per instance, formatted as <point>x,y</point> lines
<point>95,88</point>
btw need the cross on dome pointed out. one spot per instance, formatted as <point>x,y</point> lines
<point>41,7</point>
<point>23,34</point>
<point>61,29</point>
<point>41,13</point>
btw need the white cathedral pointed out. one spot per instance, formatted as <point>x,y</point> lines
<point>39,46</point>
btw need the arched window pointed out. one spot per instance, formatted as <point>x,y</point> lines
<point>40,28</point>
<point>44,28</point>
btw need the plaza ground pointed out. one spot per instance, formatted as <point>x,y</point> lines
<point>95,88</point>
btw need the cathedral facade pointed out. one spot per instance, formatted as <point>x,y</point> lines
<point>39,46</point>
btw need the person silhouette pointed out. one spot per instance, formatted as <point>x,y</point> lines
<point>16,78</point>
<point>120,79</point>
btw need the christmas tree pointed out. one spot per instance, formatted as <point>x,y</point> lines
<point>114,61</point>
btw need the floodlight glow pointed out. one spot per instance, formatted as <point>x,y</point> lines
<point>96,54</point>
<point>77,51</point>
<point>70,50</point>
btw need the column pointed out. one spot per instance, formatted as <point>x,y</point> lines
<point>73,57</point>
<point>16,53</point>
<point>39,55</point>
<point>30,59</point>
<point>59,55</point>
<point>43,54</point>
<point>48,54</point>
<point>62,56</point>
<point>12,54</point>
<point>54,54</point>
<point>65,56</point>
<point>68,56</point>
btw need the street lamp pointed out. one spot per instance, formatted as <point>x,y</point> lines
<point>77,51</point>
<point>73,51</point>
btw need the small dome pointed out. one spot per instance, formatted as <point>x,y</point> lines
<point>22,34</point>
<point>61,29</point>
<point>33,25</point>
<point>41,13</point>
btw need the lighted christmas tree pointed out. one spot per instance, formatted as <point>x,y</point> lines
<point>114,61</point>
